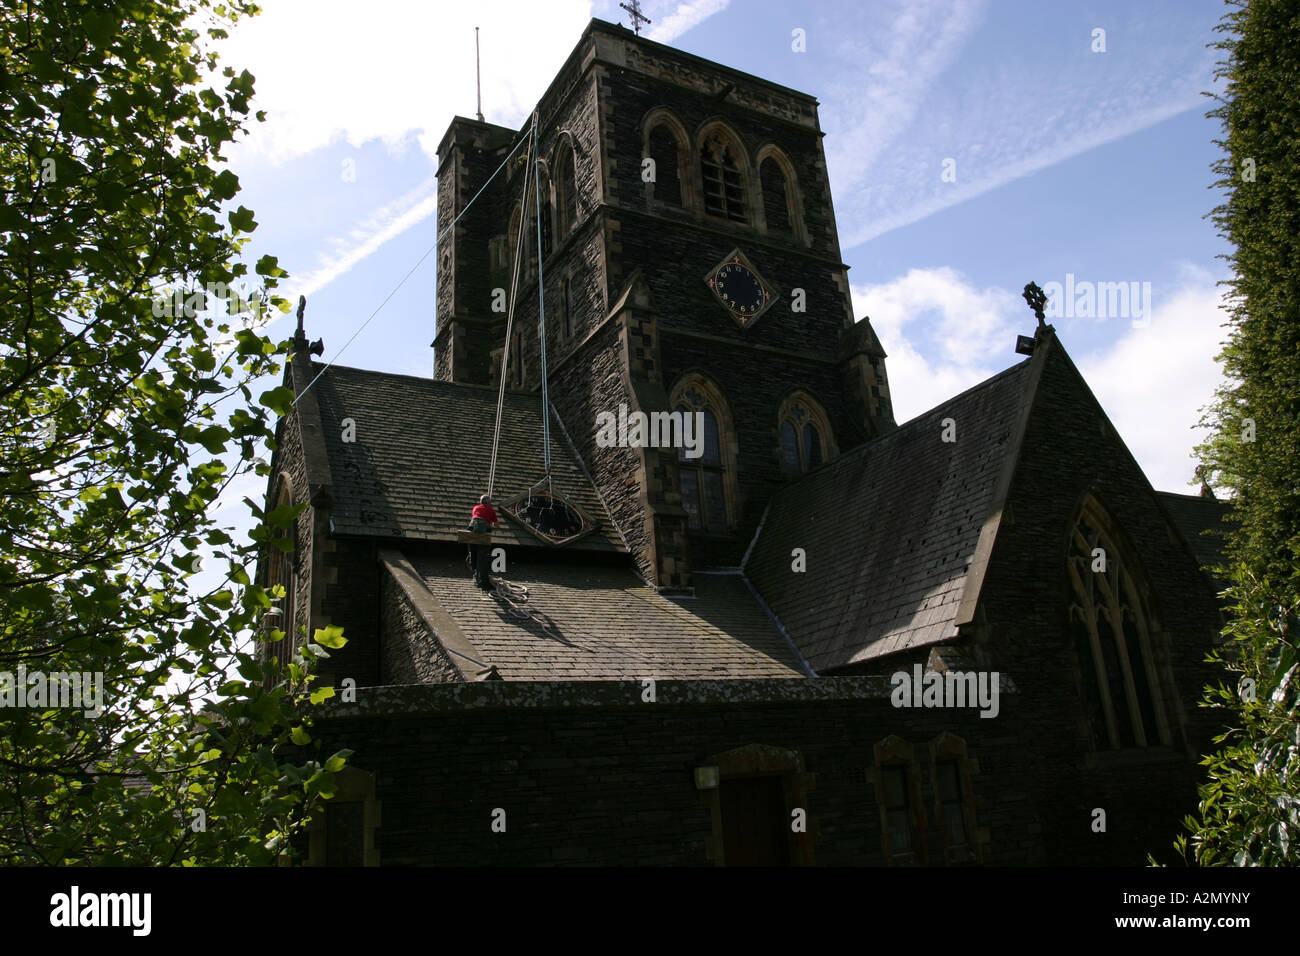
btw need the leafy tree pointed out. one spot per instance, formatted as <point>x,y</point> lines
<point>128,355</point>
<point>1250,810</point>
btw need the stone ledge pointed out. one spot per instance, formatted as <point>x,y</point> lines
<point>414,699</point>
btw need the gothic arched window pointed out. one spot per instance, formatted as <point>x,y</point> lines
<point>708,480</point>
<point>547,212</point>
<point>566,191</point>
<point>806,437</point>
<point>662,147</point>
<point>776,195</point>
<point>566,308</point>
<point>282,571</point>
<point>723,176</point>
<point>1114,635</point>
<point>512,237</point>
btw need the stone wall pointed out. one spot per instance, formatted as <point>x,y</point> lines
<point>592,774</point>
<point>412,655</point>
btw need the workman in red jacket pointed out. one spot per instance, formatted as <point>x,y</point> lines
<point>481,520</point>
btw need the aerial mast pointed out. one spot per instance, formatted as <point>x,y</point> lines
<point>478,79</point>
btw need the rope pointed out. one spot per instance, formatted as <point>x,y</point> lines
<point>541,307</point>
<point>510,313</point>
<point>444,232</point>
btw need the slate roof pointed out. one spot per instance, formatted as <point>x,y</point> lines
<point>422,452</point>
<point>1202,522</point>
<point>891,529</point>
<point>588,622</point>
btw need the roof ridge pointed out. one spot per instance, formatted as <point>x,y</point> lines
<point>419,378</point>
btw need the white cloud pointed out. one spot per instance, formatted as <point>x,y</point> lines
<point>391,70</point>
<point>327,71</point>
<point>905,100</point>
<point>387,223</point>
<point>943,335</point>
<point>1154,380</point>
<point>687,15</point>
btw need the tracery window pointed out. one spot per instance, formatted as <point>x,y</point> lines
<point>707,481</point>
<point>1114,635</point>
<point>806,438</point>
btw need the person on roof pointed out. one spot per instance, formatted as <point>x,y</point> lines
<point>481,521</point>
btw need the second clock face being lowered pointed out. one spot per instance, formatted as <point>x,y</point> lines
<point>549,517</point>
<point>739,288</point>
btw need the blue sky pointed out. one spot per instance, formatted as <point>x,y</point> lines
<point>971,147</point>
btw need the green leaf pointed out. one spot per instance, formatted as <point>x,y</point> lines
<point>331,637</point>
<point>278,400</point>
<point>241,220</point>
<point>269,266</point>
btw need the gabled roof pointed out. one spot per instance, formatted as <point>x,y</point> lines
<point>422,452</point>
<point>1202,521</point>
<point>587,622</point>
<point>894,530</point>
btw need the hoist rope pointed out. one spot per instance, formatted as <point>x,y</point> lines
<point>450,226</point>
<point>541,307</point>
<point>510,310</point>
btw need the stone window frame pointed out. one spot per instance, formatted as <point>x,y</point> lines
<point>516,369</point>
<point>949,748</point>
<point>763,760</point>
<point>895,753</point>
<point>793,194</point>
<point>513,231</point>
<point>800,408</point>
<point>566,306</point>
<point>1134,599</point>
<point>722,130</point>
<point>547,210</point>
<point>282,568</point>
<point>662,116</point>
<point>353,785</point>
<point>565,188</point>
<point>728,447</point>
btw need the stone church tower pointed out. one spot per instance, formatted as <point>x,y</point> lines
<point>690,261</point>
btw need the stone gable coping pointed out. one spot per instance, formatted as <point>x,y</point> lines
<point>442,626</point>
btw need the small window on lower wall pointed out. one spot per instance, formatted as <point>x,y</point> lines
<point>899,810</point>
<point>342,833</point>
<point>897,783</point>
<point>951,771</point>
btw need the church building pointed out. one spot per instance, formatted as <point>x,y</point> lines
<point>741,615</point>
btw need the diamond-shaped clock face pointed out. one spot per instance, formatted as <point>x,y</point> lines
<point>740,289</point>
<point>549,517</point>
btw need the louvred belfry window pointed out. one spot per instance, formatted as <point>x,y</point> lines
<point>776,199</point>
<point>663,150</point>
<point>724,184</point>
